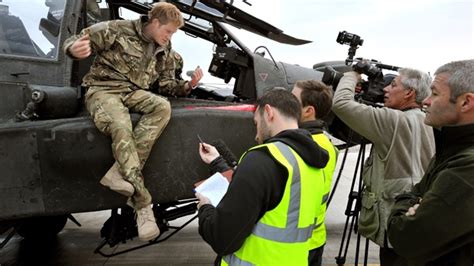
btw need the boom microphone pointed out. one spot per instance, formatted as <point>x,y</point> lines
<point>225,152</point>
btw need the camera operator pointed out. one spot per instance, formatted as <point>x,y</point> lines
<point>402,146</point>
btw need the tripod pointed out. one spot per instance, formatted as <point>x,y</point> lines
<point>352,212</point>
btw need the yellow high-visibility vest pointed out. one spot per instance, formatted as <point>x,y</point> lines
<point>319,233</point>
<point>281,236</point>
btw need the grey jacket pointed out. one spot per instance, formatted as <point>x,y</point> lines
<point>402,146</point>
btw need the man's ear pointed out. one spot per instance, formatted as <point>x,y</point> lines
<point>410,93</point>
<point>155,21</point>
<point>309,112</point>
<point>268,112</point>
<point>467,102</point>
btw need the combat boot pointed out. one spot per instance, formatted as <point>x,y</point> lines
<point>146,224</point>
<point>114,180</point>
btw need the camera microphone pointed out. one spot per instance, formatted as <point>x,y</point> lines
<point>225,152</point>
<point>388,67</point>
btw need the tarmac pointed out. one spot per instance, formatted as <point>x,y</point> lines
<point>75,245</point>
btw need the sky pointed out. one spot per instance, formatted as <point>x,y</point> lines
<point>422,34</point>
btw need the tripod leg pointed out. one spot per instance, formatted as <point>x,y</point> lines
<point>352,210</point>
<point>341,260</point>
<point>366,253</point>
<point>333,191</point>
<point>357,251</point>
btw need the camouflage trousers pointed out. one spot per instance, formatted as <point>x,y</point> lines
<point>131,147</point>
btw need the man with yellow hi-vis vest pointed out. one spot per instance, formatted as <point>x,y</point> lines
<point>316,101</point>
<point>270,209</point>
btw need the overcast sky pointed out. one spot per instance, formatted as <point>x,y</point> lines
<point>421,34</point>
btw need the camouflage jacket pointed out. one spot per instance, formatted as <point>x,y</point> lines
<point>125,59</point>
<point>170,82</point>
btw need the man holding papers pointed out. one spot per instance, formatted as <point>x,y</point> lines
<point>271,207</point>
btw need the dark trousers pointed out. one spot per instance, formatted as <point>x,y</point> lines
<point>388,257</point>
<point>315,256</point>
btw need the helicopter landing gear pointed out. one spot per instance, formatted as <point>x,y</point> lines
<point>122,226</point>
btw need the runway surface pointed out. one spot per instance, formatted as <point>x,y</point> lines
<point>75,245</point>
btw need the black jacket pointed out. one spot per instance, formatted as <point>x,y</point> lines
<point>257,186</point>
<point>442,230</point>
<point>314,126</point>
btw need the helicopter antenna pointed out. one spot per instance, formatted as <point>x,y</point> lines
<point>247,2</point>
<point>264,47</point>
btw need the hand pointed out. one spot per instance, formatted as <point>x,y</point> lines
<point>202,200</point>
<point>208,152</point>
<point>412,210</point>
<point>355,74</point>
<point>196,77</point>
<point>81,48</point>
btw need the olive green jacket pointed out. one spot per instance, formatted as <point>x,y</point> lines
<point>442,230</point>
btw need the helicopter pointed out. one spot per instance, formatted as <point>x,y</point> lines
<point>51,154</point>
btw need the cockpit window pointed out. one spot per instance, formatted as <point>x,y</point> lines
<point>197,22</point>
<point>203,8</point>
<point>31,27</point>
<point>191,19</point>
<point>199,6</point>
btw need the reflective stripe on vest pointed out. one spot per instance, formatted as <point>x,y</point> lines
<point>265,236</point>
<point>291,233</point>
<point>319,234</point>
<point>325,198</point>
<point>234,260</point>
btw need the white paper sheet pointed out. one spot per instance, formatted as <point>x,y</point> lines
<point>213,188</point>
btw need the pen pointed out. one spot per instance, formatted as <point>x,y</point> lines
<point>202,142</point>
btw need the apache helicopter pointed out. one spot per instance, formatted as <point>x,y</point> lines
<point>51,154</point>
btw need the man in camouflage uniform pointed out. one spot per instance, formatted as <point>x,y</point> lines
<point>172,83</point>
<point>128,57</point>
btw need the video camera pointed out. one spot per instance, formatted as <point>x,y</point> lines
<point>372,89</point>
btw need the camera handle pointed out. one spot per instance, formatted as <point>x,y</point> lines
<point>352,212</point>
<point>350,55</point>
